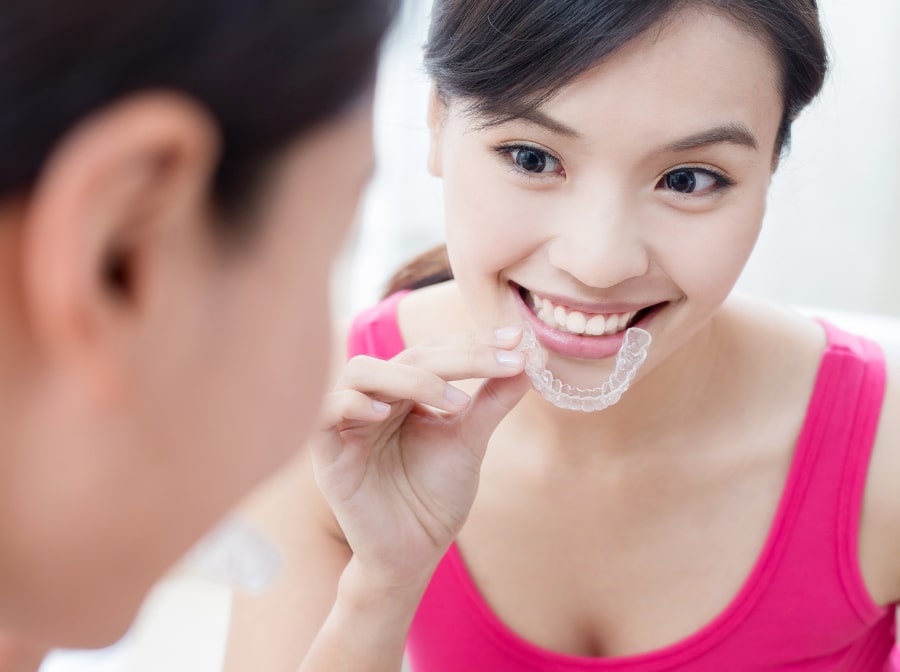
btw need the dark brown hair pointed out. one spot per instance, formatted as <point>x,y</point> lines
<point>266,70</point>
<point>504,58</point>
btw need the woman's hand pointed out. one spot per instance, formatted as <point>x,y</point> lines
<point>400,449</point>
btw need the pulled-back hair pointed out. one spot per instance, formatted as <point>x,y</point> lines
<point>265,70</point>
<point>504,58</point>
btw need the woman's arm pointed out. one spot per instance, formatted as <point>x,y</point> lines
<point>320,597</point>
<point>879,538</point>
<point>273,630</point>
<point>367,626</point>
<point>397,461</point>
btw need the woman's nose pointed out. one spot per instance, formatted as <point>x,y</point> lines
<point>600,246</point>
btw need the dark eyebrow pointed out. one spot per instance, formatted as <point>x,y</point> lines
<point>733,133</point>
<point>736,134</point>
<point>538,118</point>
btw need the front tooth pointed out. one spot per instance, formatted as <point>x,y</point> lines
<point>575,322</point>
<point>596,325</point>
<point>612,324</point>
<point>559,314</point>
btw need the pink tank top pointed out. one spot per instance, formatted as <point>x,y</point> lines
<point>803,607</point>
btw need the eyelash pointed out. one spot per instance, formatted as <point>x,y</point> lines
<point>722,180</point>
<point>505,153</point>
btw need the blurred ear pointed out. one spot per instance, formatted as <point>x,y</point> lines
<point>437,110</point>
<point>128,177</point>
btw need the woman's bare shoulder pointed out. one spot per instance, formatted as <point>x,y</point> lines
<point>880,524</point>
<point>770,339</point>
<point>433,311</point>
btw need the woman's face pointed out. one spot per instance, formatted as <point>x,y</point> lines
<point>633,197</point>
<point>225,373</point>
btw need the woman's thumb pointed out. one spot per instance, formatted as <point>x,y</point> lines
<point>491,402</point>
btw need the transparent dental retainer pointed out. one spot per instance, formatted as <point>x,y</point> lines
<point>629,359</point>
<point>236,554</point>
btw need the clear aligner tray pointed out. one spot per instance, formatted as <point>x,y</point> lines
<point>628,360</point>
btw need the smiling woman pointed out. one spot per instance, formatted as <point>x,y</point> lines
<point>605,168</point>
<point>837,177</point>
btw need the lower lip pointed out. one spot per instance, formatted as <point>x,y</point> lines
<point>573,345</point>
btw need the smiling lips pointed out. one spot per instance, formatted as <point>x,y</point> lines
<point>576,322</point>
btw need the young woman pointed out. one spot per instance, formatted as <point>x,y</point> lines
<point>606,165</point>
<point>174,180</point>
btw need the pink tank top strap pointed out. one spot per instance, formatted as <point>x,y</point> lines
<point>843,421</point>
<point>815,588</point>
<point>376,332</point>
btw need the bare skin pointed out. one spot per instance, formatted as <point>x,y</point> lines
<point>125,397</point>
<point>633,527</point>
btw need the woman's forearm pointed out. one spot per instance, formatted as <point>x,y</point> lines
<point>367,627</point>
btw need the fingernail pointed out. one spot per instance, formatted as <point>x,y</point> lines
<point>508,333</point>
<point>511,359</point>
<point>380,407</point>
<point>456,396</point>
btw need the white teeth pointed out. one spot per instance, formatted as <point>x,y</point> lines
<point>559,314</point>
<point>595,326</point>
<point>577,322</point>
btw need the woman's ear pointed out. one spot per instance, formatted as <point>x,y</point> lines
<point>437,111</point>
<point>126,178</point>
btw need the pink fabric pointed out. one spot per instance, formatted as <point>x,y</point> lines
<point>802,608</point>
<point>375,331</point>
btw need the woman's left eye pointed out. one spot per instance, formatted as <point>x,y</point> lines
<point>530,160</point>
<point>696,181</point>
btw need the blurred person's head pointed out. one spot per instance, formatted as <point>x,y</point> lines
<point>174,181</point>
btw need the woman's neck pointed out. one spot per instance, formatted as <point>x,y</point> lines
<point>666,402</point>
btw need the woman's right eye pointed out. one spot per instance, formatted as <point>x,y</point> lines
<point>531,160</point>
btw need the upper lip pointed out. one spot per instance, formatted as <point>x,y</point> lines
<point>592,307</point>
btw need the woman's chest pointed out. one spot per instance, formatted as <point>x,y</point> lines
<point>622,562</point>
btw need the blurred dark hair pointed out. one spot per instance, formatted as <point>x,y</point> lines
<point>504,58</point>
<point>266,70</point>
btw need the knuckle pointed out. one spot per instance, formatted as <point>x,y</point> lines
<point>425,380</point>
<point>357,370</point>
<point>359,362</point>
<point>478,352</point>
<point>410,357</point>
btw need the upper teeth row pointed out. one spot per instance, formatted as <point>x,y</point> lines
<point>577,322</point>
